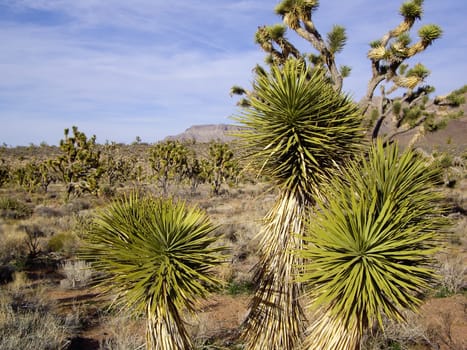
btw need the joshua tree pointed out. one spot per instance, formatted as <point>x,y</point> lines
<point>118,168</point>
<point>157,255</point>
<point>79,164</point>
<point>391,115</point>
<point>195,171</point>
<point>298,129</point>
<point>220,165</point>
<point>34,175</point>
<point>168,160</point>
<point>370,245</point>
<point>4,172</point>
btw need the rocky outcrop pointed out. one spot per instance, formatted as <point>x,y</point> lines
<point>207,133</point>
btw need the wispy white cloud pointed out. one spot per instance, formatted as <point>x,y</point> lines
<point>152,68</point>
<point>113,87</point>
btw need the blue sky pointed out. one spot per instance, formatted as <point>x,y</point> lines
<point>151,68</point>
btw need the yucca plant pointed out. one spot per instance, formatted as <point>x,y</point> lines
<point>157,256</point>
<point>297,128</point>
<point>370,245</point>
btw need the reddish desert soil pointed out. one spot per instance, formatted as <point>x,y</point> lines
<point>221,315</point>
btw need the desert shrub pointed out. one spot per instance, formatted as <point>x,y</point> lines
<point>33,235</point>
<point>239,287</point>
<point>452,271</point>
<point>12,246</point>
<point>122,334</point>
<point>29,329</point>
<point>107,191</point>
<point>11,208</point>
<point>78,274</point>
<point>456,98</point>
<point>82,224</point>
<point>397,335</point>
<point>62,243</point>
<point>77,205</point>
<point>47,212</point>
<point>4,172</point>
<point>6,274</point>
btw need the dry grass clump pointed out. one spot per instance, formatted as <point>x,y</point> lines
<point>122,333</point>
<point>452,271</point>
<point>12,208</point>
<point>77,205</point>
<point>399,336</point>
<point>12,245</point>
<point>31,330</point>
<point>25,322</point>
<point>48,212</point>
<point>77,273</point>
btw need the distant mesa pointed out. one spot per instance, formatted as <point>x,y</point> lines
<point>207,133</point>
<point>453,138</point>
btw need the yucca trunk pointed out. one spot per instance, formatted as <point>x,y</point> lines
<point>165,330</point>
<point>331,333</point>
<point>275,321</point>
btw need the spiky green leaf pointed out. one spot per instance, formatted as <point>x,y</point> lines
<point>411,10</point>
<point>345,71</point>
<point>276,31</point>
<point>430,32</point>
<point>298,128</point>
<point>336,39</point>
<point>372,241</point>
<point>419,71</point>
<point>157,256</point>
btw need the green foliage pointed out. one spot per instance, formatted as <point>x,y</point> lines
<point>397,107</point>
<point>432,125</point>
<point>460,91</point>
<point>79,165</point>
<point>237,90</point>
<point>404,40</point>
<point>297,131</point>
<point>276,31</point>
<point>301,7</point>
<point>419,71</point>
<point>220,166</point>
<point>117,168</point>
<point>195,171</point>
<point>336,39</point>
<point>443,292</point>
<point>157,255</point>
<point>4,172</point>
<point>168,161</point>
<point>61,242</point>
<point>236,288</point>
<point>443,160</point>
<point>369,122</point>
<point>371,243</point>
<point>375,44</point>
<point>411,10</point>
<point>18,175</point>
<point>429,33</point>
<point>457,98</point>
<point>298,128</point>
<point>345,71</point>
<point>34,175</point>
